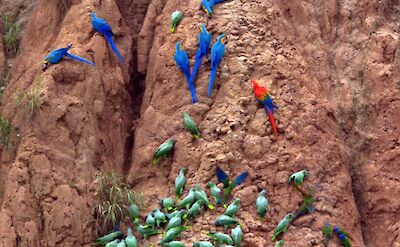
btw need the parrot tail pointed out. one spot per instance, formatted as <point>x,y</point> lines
<point>79,59</point>
<point>191,88</point>
<point>172,28</point>
<point>273,124</point>
<point>210,206</point>
<point>196,66</point>
<point>155,161</point>
<point>114,47</point>
<point>196,136</point>
<point>213,73</point>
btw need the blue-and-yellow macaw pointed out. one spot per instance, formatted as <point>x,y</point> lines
<point>217,53</point>
<point>182,60</point>
<point>101,26</point>
<point>204,49</point>
<point>57,55</point>
<point>208,5</point>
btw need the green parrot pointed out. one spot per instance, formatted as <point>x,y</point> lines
<point>226,221</point>
<point>232,209</point>
<point>133,211</point>
<point>339,231</point>
<point>279,243</point>
<point>168,204</point>
<point>187,201</point>
<point>194,210</point>
<point>131,240</point>
<point>160,217</point>
<point>176,220</point>
<point>327,231</point>
<point>202,244</point>
<point>283,225</point>
<point>172,234</point>
<point>150,221</point>
<point>113,243</point>
<point>307,206</point>
<point>298,177</point>
<point>228,185</point>
<point>163,150</point>
<point>174,244</point>
<point>237,235</point>
<point>262,204</point>
<point>180,182</point>
<point>199,194</point>
<point>344,240</point>
<point>171,215</point>
<point>145,232</point>
<point>221,238</point>
<point>190,125</point>
<point>121,244</point>
<point>176,17</point>
<point>215,192</point>
<point>109,237</point>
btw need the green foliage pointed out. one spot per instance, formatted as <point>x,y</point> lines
<point>12,35</point>
<point>4,79</point>
<point>30,99</point>
<point>113,199</point>
<point>6,133</point>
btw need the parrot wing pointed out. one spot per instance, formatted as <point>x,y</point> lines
<point>79,59</point>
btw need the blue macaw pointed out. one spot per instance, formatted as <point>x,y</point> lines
<point>204,49</point>
<point>217,53</point>
<point>57,55</point>
<point>101,26</point>
<point>182,60</point>
<point>208,5</point>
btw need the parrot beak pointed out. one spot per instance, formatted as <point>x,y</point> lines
<point>223,40</point>
<point>206,10</point>
<point>45,65</point>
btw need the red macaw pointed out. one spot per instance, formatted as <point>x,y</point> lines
<point>265,99</point>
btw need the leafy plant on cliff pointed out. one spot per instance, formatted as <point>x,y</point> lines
<point>113,199</point>
<point>12,35</point>
<point>30,99</point>
<point>6,132</point>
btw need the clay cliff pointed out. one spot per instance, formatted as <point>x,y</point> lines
<point>332,68</point>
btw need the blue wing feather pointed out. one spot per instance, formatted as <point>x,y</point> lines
<point>241,178</point>
<point>222,176</point>
<point>213,73</point>
<point>114,47</point>
<point>79,59</point>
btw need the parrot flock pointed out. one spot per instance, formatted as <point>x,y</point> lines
<point>179,211</point>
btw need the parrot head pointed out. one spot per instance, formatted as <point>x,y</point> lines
<point>336,229</point>
<point>178,46</point>
<point>206,6</point>
<point>221,38</point>
<point>183,169</point>
<point>45,65</point>
<point>93,14</point>
<point>342,237</point>
<point>203,28</point>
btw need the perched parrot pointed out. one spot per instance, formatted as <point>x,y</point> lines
<point>109,237</point>
<point>187,201</point>
<point>176,220</point>
<point>221,238</point>
<point>168,204</point>
<point>160,217</point>
<point>57,55</point>
<point>182,60</point>
<point>339,231</point>
<point>194,210</point>
<point>190,125</point>
<point>101,26</point>
<point>150,221</point>
<point>163,150</point>
<point>133,211</point>
<point>173,214</point>
<point>265,99</point>
<point>180,182</point>
<point>283,225</point>
<point>202,244</point>
<point>228,187</point>
<point>204,49</point>
<point>217,53</point>
<point>130,239</point>
<point>237,235</point>
<point>226,221</point>
<point>262,204</point>
<point>121,244</point>
<point>172,234</point>
<point>298,177</point>
<point>200,195</point>
<point>215,192</point>
<point>174,244</point>
<point>279,243</point>
<point>344,240</point>
<point>327,231</point>
<point>306,207</point>
<point>208,5</point>
<point>145,232</point>
<point>112,243</point>
<point>232,209</point>
<point>176,17</point>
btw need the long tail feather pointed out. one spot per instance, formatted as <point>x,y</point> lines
<point>114,48</point>
<point>240,179</point>
<point>273,124</point>
<point>191,88</point>
<point>213,73</point>
<point>196,67</point>
<point>79,59</point>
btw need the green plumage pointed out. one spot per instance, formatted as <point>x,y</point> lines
<point>194,210</point>
<point>131,240</point>
<point>145,232</point>
<point>133,211</point>
<point>221,238</point>
<point>233,208</point>
<point>109,237</point>
<point>345,241</point>
<point>262,204</point>
<point>121,244</point>
<point>199,194</point>
<point>163,150</point>
<point>226,221</point>
<point>298,177</point>
<point>202,244</point>
<point>237,235</point>
<point>160,217</point>
<point>180,182</point>
<point>307,206</point>
<point>327,231</point>
<point>168,204</point>
<point>215,192</point>
<point>150,221</point>
<point>174,244</point>
<point>283,225</point>
<point>279,243</point>
<point>112,243</point>
<point>187,201</point>
<point>176,17</point>
<point>172,234</point>
<point>175,221</point>
<point>191,125</point>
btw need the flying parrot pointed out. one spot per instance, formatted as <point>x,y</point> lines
<point>109,237</point>
<point>199,194</point>
<point>262,204</point>
<point>204,49</point>
<point>237,235</point>
<point>130,239</point>
<point>168,204</point>
<point>172,234</point>
<point>344,240</point>
<point>265,99</point>
<point>229,186</point>
<point>217,53</point>
<point>182,60</point>
<point>57,55</point>
<point>232,209</point>
<point>226,221</point>
<point>176,17</point>
<point>163,150</point>
<point>306,207</point>
<point>190,125</point>
<point>101,26</point>
<point>215,192</point>
<point>221,238</point>
<point>327,231</point>
<point>283,225</point>
<point>202,244</point>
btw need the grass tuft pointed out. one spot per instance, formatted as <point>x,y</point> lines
<point>12,35</point>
